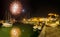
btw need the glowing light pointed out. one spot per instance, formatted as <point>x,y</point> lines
<point>7,24</point>
<point>50,21</point>
<point>15,8</point>
<point>15,32</point>
<point>23,10</point>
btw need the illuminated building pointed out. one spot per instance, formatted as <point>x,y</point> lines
<point>50,21</point>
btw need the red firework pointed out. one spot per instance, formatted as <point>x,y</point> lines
<point>15,8</point>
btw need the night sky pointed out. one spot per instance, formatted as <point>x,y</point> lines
<point>33,8</point>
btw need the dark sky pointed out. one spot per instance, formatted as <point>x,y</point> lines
<point>33,7</point>
<point>42,8</point>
